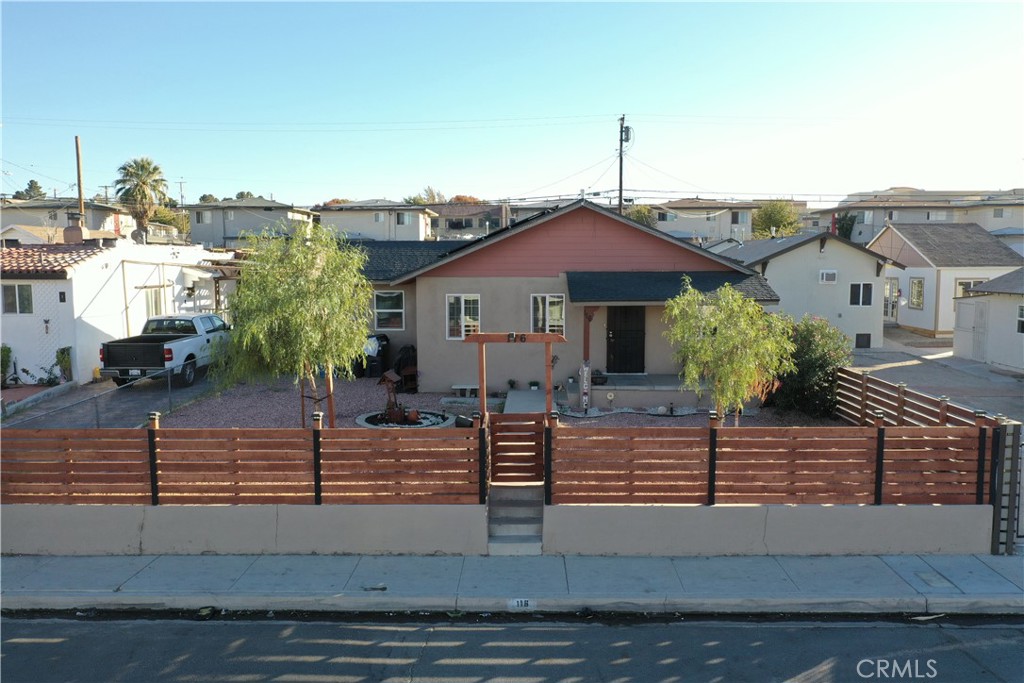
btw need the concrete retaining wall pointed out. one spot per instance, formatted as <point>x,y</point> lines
<point>766,530</point>
<point>245,530</point>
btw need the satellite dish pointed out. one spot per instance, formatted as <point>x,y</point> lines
<point>610,395</point>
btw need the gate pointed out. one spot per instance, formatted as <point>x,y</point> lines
<point>517,448</point>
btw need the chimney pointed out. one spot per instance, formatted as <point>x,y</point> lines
<point>74,233</point>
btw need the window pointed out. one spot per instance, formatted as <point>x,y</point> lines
<point>708,216</point>
<point>18,299</point>
<point>666,216</point>
<point>1020,320</point>
<point>463,315</point>
<point>389,310</point>
<point>997,213</point>
<point>154,302</point>
<point>860,294</point>
<point>378,217</point>
<point>935,215</point>
<point>204,217</point>
<point>865,217</point>
<point>400,218</point>
<point>916,293</point>
<point>814,223</point>
<point>458,223</point>
<point>231,215</point>
<point>548,313</point>
<point>435,223</point>
<point>962,287</point>
<point>893,215</point>
<point>52,215</point>
<point>739,218</point>
<point>827,277</point>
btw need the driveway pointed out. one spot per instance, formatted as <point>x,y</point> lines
<point>928,366</point>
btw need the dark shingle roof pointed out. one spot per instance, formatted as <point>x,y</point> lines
<point>586,287</point>
<point>388,260</point>
<point>1011,283</point>
<point>952,245</point>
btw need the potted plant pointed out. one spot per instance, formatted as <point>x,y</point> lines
<point>534,386</point>
<point>512,384</point>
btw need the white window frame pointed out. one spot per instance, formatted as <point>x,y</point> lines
<point>998,213</point>
<point>919,306</point>
<point>200,215</point>
<point>464,328</point>
<point>1020,319</point>
<point>19,308</point>
<point>937,215</point>
<point>547,326</point>
<point>377,310</point>
<point>378,217</point>
<point>401,218</point>
<point>154,301</point>
<point>231,214</point>
<point>828,277</point>
<point>861,288</point>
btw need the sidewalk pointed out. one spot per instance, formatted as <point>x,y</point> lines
<point>932,584</point>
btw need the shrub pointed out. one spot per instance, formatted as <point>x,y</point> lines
<point>64,361</point>
<point>821,349</point>
<point>5,359</point>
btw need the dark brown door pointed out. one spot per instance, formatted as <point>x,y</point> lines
<point>626,338</point>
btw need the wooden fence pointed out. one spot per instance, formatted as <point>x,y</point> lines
<point>240,466</point>
<point>872,465</point>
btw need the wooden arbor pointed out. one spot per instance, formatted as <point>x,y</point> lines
<point>482,339</point>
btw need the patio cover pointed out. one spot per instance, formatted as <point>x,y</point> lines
<point>618,288</point>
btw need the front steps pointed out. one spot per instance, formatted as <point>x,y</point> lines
<point>515,519</point>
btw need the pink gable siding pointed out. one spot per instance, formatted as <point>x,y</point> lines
<point>890,244</point>
<point>579,240</point>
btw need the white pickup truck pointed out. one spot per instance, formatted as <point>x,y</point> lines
<point>177,343</point>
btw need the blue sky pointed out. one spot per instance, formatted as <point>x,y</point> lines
<point>307,102</point>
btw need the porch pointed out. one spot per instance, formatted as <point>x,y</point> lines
<point>637,391</point>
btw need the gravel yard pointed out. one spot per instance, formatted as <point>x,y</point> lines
<point>278,405</point>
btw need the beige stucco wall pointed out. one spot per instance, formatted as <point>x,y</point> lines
<point>765,530</point>
<point>407,335</point>
<point>360,224</point>
<point>250,529</point>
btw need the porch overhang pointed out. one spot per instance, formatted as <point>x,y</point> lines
<point>646,288</point>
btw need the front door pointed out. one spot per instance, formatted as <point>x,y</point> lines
<point>626,339</point>
<point>891,302</point>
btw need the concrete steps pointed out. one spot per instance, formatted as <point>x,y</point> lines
<point>515,519</point>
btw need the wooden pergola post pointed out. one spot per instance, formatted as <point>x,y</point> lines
<point>481,339</point>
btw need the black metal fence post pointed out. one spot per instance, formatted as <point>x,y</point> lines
<point>548,438</point>
<point>712,455</point>
<point>979,493</point>
<point>154,488</point>
<point>481,436</point>
<point>318,474</point>
<point>879,455</point>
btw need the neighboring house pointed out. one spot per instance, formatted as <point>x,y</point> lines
<point>80,295</point>
<point>705,220</point>
<point>825,276</point>
<point>580,270</point>
<point>379,219</point>
<point>57,213</point>
<point>1011,237</point>
<point>462,221</point>
<point>873,210</point>
<point>942,261</point>
<point>224,224</point>
<point>990,322</point>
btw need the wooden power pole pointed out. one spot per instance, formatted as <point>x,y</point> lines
<point>81,190</point>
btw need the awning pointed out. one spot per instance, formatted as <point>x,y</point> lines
<point>646,288</point>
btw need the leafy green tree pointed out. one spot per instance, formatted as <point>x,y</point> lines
<point>844,224</point>
<point>728,345</point>
<point>428,196</point>
<point>32,191</point>
<point>178,219</point>
<point>141,187</point>
<point>778,214</point>
<point>821,350</point>
<point>244,195</point>
<point>208,199</point>
<point>642,214</point>
<point>302,306</point>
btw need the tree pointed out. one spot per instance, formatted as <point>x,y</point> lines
<point>464,199</point>
<point>778,214</point>
<point>302,306</point>
<point>208,199</point>
<point>428,196</point>
<point>820,350</point>
<point>245,195</point>
<point>32,191</point>
<point>336,202</point>
<point>177,219</point>
<point>141,187</point>
<point>727,345</point>
<point>643,215</point>
<point>844,224</point>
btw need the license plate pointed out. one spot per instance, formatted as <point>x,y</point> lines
<point>135,373</point>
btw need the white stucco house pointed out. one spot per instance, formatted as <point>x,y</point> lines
<point>56,213</point>
<point>942,262</point>
<point>379,219</point>
<point>80,295</point>
<point>224,224</point>
<point>990,322</point>
<point>823,275</point>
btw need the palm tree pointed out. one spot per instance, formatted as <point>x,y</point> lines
<point>141,188</point>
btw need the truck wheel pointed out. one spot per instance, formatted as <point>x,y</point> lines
<point>187,377</point>
<point>120,382</point>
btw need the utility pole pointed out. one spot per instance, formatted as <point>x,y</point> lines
<point>81,190</point>
<point>625,134</point>
<point>106,197</point>
<point>181,192</point>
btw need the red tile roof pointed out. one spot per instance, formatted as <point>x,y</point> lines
<point>44,260</point>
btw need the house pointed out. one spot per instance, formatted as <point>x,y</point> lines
<point>379,219</point>
<point>80,295</point>
<point>457,221</point>
<point>702,220</point>
<point>825,276</point>
<point>51,213</point>
<point>942,262</point>
<point>581,270</point>
<point>224,224</point>
<point>990,322</point>
<point>873,210</point>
